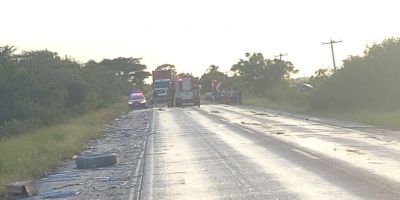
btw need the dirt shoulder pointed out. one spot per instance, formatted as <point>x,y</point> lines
<point>125,138</point>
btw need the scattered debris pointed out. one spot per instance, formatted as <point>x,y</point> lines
<point>96,160</point>
<point>123,139</point>
<point>21,189</point>
<point>250,123</point>
<point>263,114</point>
<point>105,178</point>
<point>68,185</point>
<point>376,163</point>
<point>124,183</point>
<point>357,151</point>
<point>60,193</point>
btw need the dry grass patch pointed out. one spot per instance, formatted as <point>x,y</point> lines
<point>32,154</point>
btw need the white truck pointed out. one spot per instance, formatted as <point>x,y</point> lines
<point>187,91</point>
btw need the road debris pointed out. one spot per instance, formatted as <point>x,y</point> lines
<point>106,178</point>
<point>250,123</point>
<point>89,161</point>
<point>357,151</point>
<point>21,189</point>
<point>68,185</point>
<point>61,193</point>
<point>124,140</point>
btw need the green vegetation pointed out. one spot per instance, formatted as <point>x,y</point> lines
<point>39,88</point>
<point>371,81</point>
<point>366,89</point>
<point>378,118</point>
<point>260,75</point>
<point>212,73</point>
<point>167,67</point>
<point>31,155</point>
<point>51,106</point>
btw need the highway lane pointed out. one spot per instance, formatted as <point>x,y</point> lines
<point>219,152</point>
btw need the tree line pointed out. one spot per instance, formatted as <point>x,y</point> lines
<point>38,88</point>
<point>370,81</point>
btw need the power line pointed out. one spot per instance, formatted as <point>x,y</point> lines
<point>333,54</point>
<point>281,55</point>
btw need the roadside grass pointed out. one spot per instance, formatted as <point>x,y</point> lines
<point>32,154</point>
<point>284,105</point>
<point>384,119</point>
<point>377,118</point>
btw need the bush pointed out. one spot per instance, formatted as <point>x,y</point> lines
<point>369,82</point>
<point>39,88</point>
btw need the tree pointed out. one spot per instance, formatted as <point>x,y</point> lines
<point>167,67</point>
<point>128,68</point>
<point>320,75</point>
<point>40,87</point>
<point>7,53</point>
<point>364,82</point>
<point>212,73</point>
<point>183,74</point>
<point>260,74</point>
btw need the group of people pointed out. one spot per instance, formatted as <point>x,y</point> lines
<point>225,96</point>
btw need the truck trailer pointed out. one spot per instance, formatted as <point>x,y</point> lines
<point>187,91</point>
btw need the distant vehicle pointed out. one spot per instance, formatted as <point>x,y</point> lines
<point>304,87</point>
<point>162,81</point>
<point>160,95</point>
<point>187,91</point>
<point>160,92</point>
<point>196,91</point>
<point>137,101</point>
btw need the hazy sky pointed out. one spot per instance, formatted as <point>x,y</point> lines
<point>195,34</point>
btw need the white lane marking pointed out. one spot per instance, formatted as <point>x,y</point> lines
<point>292,177</point>
<point>182,158</point>
<point>305,154</point>
<point>340,150</point>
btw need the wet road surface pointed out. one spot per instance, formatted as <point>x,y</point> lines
<point>228,152</point>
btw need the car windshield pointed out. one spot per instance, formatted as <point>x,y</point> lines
<point>136,97</point>
<point>159,91</point>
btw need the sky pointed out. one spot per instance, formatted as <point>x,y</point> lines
<point>195,34</point>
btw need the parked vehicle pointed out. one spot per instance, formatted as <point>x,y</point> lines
<point>163,91</point>
<point>160,95</point>
<point>137,101</point>
<point>187,91</point>
<point>196,91</point>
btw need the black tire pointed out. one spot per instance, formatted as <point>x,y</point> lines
<point>95,161</point>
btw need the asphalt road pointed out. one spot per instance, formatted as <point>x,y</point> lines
<point>228,152</point>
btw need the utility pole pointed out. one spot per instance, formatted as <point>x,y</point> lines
<point>281,55</point>
<point>333,54</point>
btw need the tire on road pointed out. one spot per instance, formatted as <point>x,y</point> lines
<point>95,161</point>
